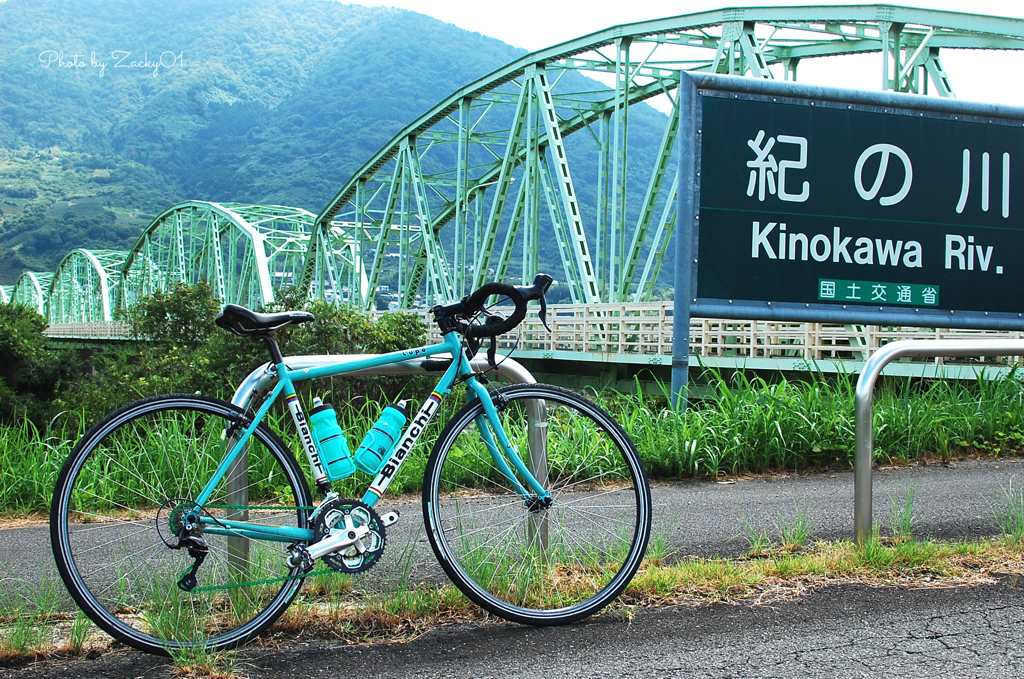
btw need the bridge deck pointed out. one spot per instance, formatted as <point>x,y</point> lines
<point>641,335</point>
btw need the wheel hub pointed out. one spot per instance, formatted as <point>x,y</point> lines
<point>182,517</point>
<point>535,504</point>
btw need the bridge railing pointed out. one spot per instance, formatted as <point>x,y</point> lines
<point>642,333</point>
<point>100,330</point>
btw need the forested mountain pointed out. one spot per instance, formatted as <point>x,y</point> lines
<point>274,101</point>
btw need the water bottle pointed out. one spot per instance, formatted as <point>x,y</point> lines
<point>334,453</point>
<point>373,452</point>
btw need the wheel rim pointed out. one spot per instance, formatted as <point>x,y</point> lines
<point>118,506</point>
<point>596,526</point>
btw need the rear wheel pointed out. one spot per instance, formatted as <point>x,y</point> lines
<point>119,507</point>
<point>520,558</point>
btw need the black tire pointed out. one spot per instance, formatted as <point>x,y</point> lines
<point>489,541</point>
<point>111,514</point>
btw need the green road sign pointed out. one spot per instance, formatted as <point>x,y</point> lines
<point>815,204</point>
<point>795,193</point>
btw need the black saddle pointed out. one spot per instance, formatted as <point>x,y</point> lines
<point>242,321</point>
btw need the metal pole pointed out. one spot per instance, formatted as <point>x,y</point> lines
<point>863,456</point>
<point>686,223</point>
<point>237,487</point>
<point>260,380</point>
<point>537,437</point>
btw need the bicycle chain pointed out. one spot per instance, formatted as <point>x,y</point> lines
<point>267,581</point>
<point>321,528</point>
<point>255,507</point>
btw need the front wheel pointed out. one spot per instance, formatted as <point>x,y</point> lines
<point>523,559</point>
<point>122,499</point>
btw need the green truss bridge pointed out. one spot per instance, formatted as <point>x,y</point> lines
<point>486,184</point>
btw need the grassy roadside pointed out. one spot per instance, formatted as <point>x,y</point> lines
<point>329,608</point>
<point>752,427</point>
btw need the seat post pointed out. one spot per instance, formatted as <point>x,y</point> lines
<point>275,351</point>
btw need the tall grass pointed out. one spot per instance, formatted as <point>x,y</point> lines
<point>1009,516</point>
<point>749,425</point>
<point>30,458</point>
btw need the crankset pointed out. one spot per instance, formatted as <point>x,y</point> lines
<point>348,536</point>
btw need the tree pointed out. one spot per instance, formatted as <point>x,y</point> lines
<point>183,316</point>
<point>30,374</point>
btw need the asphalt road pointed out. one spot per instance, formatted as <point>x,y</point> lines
<point>698,518</point>
<point>836,632</point>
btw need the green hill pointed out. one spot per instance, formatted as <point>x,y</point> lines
<point>275,101</point>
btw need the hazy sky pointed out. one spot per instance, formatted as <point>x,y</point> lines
<point>535,24</point>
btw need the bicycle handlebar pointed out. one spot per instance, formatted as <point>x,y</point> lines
<point>541,283</point>
<point>473,304</point>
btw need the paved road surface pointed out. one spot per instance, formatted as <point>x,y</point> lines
<point>839,631</point>
<point>700,518</point>
<point>834,632</point>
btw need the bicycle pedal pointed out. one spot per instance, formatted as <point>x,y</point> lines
<point>300,558</point>
<point>389,519</point>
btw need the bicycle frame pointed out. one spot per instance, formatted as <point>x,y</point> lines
<point>488,424</point>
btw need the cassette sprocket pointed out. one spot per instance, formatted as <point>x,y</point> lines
<point>364,554</point>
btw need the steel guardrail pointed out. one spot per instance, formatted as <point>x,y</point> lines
<point>863,456</point>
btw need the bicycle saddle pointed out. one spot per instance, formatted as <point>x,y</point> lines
<point>244,322</point>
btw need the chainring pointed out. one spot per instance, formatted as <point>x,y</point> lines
<point>350,560</point>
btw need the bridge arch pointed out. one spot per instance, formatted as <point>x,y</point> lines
<point>85,287</point>
<point>494,160</point>
<point>32,289</point>
<point>245,252</point>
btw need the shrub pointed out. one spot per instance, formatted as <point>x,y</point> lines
<point>30,374</point>
<point>180,349</point>
<point>182,316</point>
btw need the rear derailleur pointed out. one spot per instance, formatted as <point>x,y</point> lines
<point>183,520</point>
<point>197,549</point>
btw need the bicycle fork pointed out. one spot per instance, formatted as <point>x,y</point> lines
<point>502,450</point>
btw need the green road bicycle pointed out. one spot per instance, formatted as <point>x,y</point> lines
<point>184,521</point>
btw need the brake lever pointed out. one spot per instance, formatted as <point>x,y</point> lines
<point>543,315</point>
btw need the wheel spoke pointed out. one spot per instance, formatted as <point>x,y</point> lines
<point>151,459</point>
<point>558,563</point>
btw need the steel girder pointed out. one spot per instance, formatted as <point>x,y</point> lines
<point>85,287</point>
<point>486,161</point>
<point>6,291</point>
<point>32,289</point>
<point>245,252</point>
<point>339,274</point>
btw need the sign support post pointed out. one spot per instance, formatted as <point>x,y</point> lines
<point>686,226</point>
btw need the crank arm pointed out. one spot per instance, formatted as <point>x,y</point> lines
<point>335,542</point>
<point>338,541</point>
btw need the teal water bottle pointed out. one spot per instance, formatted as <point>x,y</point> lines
<point>373,452</point>
<point>330,439</point>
